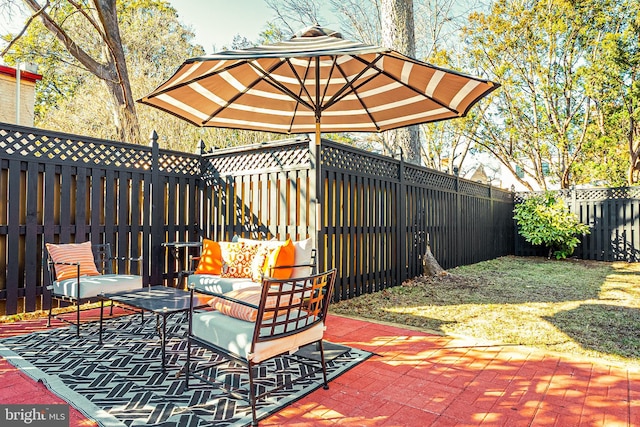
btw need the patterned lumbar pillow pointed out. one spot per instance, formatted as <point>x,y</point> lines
<point>265,249</point>
<point>250,295</point>
<point>237,258</point>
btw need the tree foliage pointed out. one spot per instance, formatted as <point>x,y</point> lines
<point>536,50</point>
<point>613,82</point>
<point>72,99</point>
<point>564,112</point>
<point>90,36</point>
<point>545,220</point>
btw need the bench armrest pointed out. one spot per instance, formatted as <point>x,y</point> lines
<point>64,263</point>
<point>124,258</point>
<point>218,295</point>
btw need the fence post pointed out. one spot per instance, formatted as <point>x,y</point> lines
<point>573,208</point>
<point>402,224</point>
<point>315,183</point>
<point>157,214</point>
<point>492,218</point>
<point>459,237</point>
<point>203,220</point>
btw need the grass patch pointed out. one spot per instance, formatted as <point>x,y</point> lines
<point>587,308</point>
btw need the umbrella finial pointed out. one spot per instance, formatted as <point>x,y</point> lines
<point>316,30</point>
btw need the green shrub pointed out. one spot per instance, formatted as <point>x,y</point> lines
<point>545,220</point>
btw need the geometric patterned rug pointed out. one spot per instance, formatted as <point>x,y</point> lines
<point>121,382</point>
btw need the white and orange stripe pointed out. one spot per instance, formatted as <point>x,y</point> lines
<point>277,88</point>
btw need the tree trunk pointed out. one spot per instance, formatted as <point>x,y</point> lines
<point>430,265</point>
<point>128,130</point>
<point>111,68</point>
<point>398,34</point>
<point>634,152</point>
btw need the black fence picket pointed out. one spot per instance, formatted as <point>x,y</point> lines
<point>57,187</point>
<point>613,217</point>
<point>372,218</point>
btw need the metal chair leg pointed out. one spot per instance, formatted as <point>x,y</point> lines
<point>188,364</point>
<point>252,395</point>
<point>324,366</point>
<point>78,319</point>
<point>50,309</point>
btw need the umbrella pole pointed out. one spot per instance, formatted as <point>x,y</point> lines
<point>319,181</point>
<point>319,186</point>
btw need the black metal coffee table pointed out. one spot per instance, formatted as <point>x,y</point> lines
<point>160,300</point>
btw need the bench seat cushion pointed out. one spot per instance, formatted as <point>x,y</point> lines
<point>92,286</point>
<point>235,335</point>
<point>215,284</point>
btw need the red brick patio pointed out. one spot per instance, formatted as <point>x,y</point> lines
<point>421,379</point>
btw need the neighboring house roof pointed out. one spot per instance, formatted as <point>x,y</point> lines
<point>24,75</point>
<point>480,175</point>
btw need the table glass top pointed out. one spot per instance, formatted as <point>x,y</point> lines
<point>157,299</point>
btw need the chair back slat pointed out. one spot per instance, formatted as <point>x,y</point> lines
<point>103,258</point>
<point>290,306</point>
<point>314,261</point>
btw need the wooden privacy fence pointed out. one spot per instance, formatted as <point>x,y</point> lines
<point>56,187</point>
<point>613,216</point>
<point>369,215</point>
<point>373,216</point>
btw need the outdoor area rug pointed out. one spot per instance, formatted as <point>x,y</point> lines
<point>121,383</point>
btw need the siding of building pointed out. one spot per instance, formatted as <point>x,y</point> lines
<point>8,98</point>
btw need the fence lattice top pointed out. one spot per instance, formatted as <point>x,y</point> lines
<point>345,158</point>
<point>590,194</point>
<point>272,157</point>
<point>74,149</point>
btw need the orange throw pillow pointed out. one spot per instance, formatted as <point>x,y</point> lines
<point>210,258</point>
<point>72,252</point>
<point>282,256</point>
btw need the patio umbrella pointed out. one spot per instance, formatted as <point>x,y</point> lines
<point>315,82</point>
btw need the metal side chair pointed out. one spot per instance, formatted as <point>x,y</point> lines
<point>250,326</point>
<point>79,272</point>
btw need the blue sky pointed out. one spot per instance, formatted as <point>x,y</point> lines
<point>216,22</point>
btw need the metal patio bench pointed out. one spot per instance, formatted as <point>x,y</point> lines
<point>80,272</point>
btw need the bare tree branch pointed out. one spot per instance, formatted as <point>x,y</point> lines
<point>95,67</point>
<point>89,18</point>
<point>24,28</point>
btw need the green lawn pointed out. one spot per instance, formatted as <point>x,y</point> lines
<point>582,307</point>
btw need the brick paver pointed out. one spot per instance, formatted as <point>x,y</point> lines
<point>421,379</point>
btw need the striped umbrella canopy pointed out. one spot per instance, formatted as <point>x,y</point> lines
<point>314,82</point>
